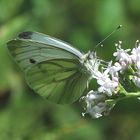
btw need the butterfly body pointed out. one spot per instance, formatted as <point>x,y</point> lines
<point>54,69</point>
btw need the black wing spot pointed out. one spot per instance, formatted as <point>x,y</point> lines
<point>32,61</point>
<point>25,35</point>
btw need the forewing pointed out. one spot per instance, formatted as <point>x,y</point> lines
<point>28,53</point>
<point>48,40</point>
<point>61,81</point>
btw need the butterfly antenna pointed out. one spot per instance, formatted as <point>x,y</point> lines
<point>100,43</point>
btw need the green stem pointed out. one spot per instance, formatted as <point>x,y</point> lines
<point>132,94</point>
<point>129,95</point>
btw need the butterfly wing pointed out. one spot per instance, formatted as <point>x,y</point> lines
<point>58,80</point>
<point>43,38</point>
<point>52,67</point>
<point>29,52</point>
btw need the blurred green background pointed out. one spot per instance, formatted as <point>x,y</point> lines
<point>26,116</point>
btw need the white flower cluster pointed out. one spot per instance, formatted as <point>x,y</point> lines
<point>96,105</point>
<point>128,60</point>
<point>108,80</point>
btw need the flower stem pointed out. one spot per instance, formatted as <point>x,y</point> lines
<point>129,95</point>
<point>132,94</point>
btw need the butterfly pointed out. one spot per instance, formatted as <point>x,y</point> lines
<point>53,68</point>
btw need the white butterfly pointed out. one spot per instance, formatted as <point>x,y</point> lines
<point>53,68</point>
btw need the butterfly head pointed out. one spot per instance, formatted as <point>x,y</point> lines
<point>89,56</point>
<point>91,63</point>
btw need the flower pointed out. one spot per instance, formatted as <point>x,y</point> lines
<point>135,52</point>
<point>97,110</point>
<point>108,84</point>
<point>113,70</point>
<point>136,56</point>
<point>123,57</point>
<point>96,105</point>
<point>111,79</point>
<point>136,80</point>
